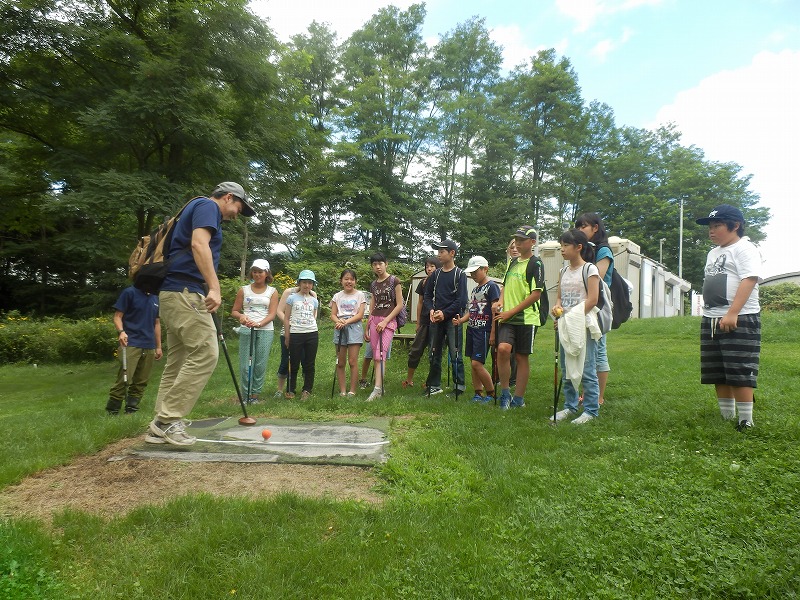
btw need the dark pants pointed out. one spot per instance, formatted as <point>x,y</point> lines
<point>302,352</point>
<point>438,332</point>
<point>418,346</point>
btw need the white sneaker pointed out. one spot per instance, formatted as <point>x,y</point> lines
<point>172,433</point>
<point>376,393</point>
<point>561,415</point>
<point>584,418</point>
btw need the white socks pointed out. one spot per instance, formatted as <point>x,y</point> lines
<point>745,410</point>
<point>727,408</point>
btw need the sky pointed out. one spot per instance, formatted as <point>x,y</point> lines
<point>725,72</point>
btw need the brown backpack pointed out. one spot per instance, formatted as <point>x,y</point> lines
<point>147,265</point>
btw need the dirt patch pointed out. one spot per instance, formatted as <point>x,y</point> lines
<point>93,484</point>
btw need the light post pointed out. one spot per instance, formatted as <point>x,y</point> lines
<point>680,244</point>
<point>661,250</point>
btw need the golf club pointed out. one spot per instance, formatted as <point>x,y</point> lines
<point>245,420</point>
<point>556,379</point>
<point>336,367</point>
<point>382,361</point>
<point>250,364</point>
<point>431,353</point>
<point>125,370</point>
<point>495,374</point>
<point>454,365</point>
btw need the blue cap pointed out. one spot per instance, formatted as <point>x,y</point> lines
<point>308,275</point>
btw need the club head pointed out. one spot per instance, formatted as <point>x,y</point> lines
<point>247,421</point>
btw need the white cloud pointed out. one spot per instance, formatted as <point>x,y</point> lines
<point>586,12</point>
<point>516,51</point>
<point>602,49</point>
<point>288,18</point>
<point>750,116</point>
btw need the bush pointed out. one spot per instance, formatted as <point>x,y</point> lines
<point>51,340</point>
<point>784,296</point>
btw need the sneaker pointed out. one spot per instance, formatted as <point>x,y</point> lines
<point>305,395</point>
<point>744,425</point>
<point>562,414</point>
<point>152,439</point>
<point>376,393</point>
<point>477,398</point>
<point>289,395</point>
<point>515,403</point>
<point>432,391</point>
<point>455,393</point>
<point>487,399</point>
<point>278,394</point>
<point>351,394</point>
<point>584,418</point>
<point>363,384</point>
<point>505,400</point>
<point>172,433</point>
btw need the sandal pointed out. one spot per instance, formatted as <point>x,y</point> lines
<point>407,384</point>
<point>289,395</point>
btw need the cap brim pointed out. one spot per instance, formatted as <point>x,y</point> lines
<point>247,210</point>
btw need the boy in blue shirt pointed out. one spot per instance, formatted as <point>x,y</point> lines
<point>139,334</point>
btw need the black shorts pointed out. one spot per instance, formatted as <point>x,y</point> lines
<point>519,336</point>
<point>730,357</point>
<point>477,346</point>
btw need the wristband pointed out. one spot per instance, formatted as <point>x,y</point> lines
<point>120,331</point>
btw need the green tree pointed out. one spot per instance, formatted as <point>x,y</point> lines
<point>128,109</point>
<point>385,119</point>
<point>465,66</point>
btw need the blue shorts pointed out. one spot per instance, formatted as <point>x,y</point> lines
<point>368,352</point>
<point>477,345</point>
<point>352,334</point>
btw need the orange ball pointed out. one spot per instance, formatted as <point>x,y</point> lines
<point>266,434</point>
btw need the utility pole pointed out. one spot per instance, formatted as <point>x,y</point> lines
<point>661,250</point>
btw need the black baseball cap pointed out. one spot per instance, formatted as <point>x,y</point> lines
<point>525,231</point>
<point>446,244</point>
<point>723,212</point>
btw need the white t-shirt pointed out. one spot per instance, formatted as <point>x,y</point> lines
<point>348,305</point>
<point>573,290</point>
<point>256,306</point>
<point>303,318</point>
<point>726,267</point>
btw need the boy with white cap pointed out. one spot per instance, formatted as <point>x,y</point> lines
<point>480,333</point>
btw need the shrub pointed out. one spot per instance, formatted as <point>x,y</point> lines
<point>784,296</point>
<point>48,340</point>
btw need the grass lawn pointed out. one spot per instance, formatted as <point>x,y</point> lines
<point>659,498</point>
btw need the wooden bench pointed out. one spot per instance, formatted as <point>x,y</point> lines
<point>405,339</point>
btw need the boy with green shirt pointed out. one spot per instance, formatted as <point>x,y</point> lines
<point>517,314</point>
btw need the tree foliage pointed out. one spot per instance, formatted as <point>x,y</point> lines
<point>115,112</point>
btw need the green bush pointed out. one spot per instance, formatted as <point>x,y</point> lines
<point>50,340</point>
<point>784,296</point>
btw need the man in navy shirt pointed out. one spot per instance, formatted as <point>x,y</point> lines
<point>189,295</point>
<point>445,298</point>
<point>139,333</point>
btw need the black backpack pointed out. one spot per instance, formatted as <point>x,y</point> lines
<point>535,264</point>
<point>621,297</point>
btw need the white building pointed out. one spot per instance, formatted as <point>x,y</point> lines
<point>656,291</point>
